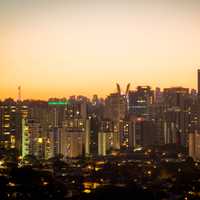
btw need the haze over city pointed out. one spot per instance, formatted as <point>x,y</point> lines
<point>70,47</point>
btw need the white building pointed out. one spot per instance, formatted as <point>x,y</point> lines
<point>75,138</point>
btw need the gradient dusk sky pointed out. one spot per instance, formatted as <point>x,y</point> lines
<point>71,47</point>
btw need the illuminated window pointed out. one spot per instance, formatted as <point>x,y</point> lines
<point>40,140</point>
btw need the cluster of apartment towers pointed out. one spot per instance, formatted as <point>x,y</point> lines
<point>77,126</point>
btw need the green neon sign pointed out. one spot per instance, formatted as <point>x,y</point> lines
<point>57,103</point>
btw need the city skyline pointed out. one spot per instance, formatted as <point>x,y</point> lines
<point>99,99</point>
<point>66,48</point>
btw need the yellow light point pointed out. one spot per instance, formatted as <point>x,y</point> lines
<point>91,185</point>
<point>20,158</point>
<point>95,185</point>
<point>149,172</point>
<point>45,183</point>
<point>1,162</point>
<point>97,169</point>
<point>191,193</point>
<point>40,140</point>
<point>87,191</point>
<point>11,184</point>
<point>179,155</point>
<point>100,162</point>
<point>89,167</point>
<point>149,150</point>
<point>6,126</point>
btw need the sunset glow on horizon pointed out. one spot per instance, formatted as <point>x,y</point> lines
<point>75,48</point>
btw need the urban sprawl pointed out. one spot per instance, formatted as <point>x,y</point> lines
<point>140,142</point>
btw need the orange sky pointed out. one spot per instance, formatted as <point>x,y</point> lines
<point>65,48</point>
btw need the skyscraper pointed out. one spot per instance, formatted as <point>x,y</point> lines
<point>194,131</point>
<point>25,138</point>
<point>11,124</point>
<point>75,136</point>
<point>115,107</point>
<point>56,108</point>
<point>36,141</point>
<point>176,109</point>
<point>105,137</point>
<point>140,101</point>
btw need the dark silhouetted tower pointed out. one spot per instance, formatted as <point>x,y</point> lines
<point>19,93</point>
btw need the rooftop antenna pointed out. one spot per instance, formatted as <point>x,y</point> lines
<point>19,93</point>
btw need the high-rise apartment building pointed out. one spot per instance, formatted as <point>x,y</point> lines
<point>176,109</point>
<point>11,115</point>
<point>105,138</point>
<point>115,107</point>
<point>75,136</point>
<point>140,102</point>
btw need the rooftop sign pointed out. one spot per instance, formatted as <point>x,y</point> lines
<point>58,102</point>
